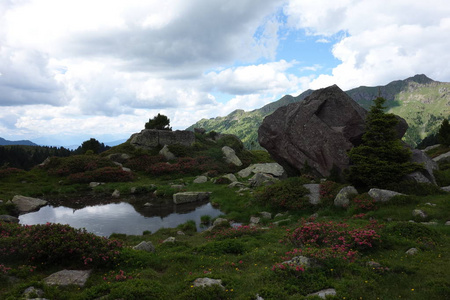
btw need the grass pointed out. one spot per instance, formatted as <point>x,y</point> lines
<point>244,259</point>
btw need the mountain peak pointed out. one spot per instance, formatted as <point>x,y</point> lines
<point>420,78</point>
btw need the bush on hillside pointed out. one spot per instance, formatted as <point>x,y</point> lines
<point>76,164</point>
<point>107,174</point>
<point>286,194</point>
<point>56,245</point>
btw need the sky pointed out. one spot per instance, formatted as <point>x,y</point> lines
<point>71,70</point>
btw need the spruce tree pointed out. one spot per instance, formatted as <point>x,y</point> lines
<point>381,159</point>
<point>444,133</point>
<point>160,122</point>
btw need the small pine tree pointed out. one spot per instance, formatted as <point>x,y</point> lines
<point>444,133</point>
<point>160,122</point>
<point>381,159</point>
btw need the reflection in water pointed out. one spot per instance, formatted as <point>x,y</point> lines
<point>122,217</point>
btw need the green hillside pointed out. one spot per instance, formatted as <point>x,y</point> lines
<point>421,101</point>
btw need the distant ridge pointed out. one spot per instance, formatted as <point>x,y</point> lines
<point>4,142</point>
<point>421,101</point>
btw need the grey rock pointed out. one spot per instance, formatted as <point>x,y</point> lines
<point>342,198</point>
<point>373,264</point>
<point>151,138</point>
<point>230,156</point>
<point>31,291</point>
<point>95,184</point>
<point>148,204</point>
<point>446,188</point>
<point>281,215</point>
<point>119,157</point>
<point>45,162</point>
<point>116,194</point>
<point>237,184</point>
<point>166,153</point>
<point>219,221</point>
<point>412,251</point>
<point>170,239</point>
<point>254,220</point>
<point>380,195</point>
<point>201,179</point>
<point>230,177</point>
<point>447,223</point>
<point>145,246</point>
<point>314,192</point>
<point>179,232</point>
<point>425,175</point>
<point>442,158</point>
<point>8,219</point>
<point>261,179</point>
<point>187,197</point>
<point>274,169</point>
<point>177,186</point>
<point>419,213</point>
<point>432,223</point>
<point>430,204</point>
<point>68,277</point>
<point>204,282</point>
<point>126,169</point>
<point>265,215</point>
<point>299,261</point>
<point>27,204</point>
<point>431,147</point>
<point>323,293</point>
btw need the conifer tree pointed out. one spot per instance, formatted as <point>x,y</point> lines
<point>444,133</point>
<point>381,159</point>
<point>160,122</point>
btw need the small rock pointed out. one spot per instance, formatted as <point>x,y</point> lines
<point>237,184</point>
<point>412,251</point>
<point>201,179</point>
<point>373,264</point>
<point>116,194</point>
<point>299,261</point>
<point>419,213</point>
<point>27,204</point>
<point>446,188</point>
<point>314,193</point>
<point>230,177</point>
<point>342,198</point>
<point>186,197</point>
<point>254,220</point>
<point>447,223</point>
<point>219,221</point>
<point>166,153</point>
<point>324,293</point>
<point>429,223</point>
<point>266,215</point>
<point>177,186</point>
<point>180,232</point>
<point>430,204</point>
<point>204,282</point>
<point>145,246</point>
<point>32,291</point>
<point>169,240</point>
<point>380,195</point>
<point>126,169</point>
<point>148,204</point>
<point>68,277</point>
<point>94,184</point>
<point>280,215</point>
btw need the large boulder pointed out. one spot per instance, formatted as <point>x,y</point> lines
<point>317,131</point>
<point>274,169</point>
<point>230,156</point>
<point>27,204</point>
<point>151,138</point>
<point>425,175</point>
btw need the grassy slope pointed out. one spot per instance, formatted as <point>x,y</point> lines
<point>420,100</point>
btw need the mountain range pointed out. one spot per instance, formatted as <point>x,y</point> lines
<point>4,142</point>
<point>421,101</point>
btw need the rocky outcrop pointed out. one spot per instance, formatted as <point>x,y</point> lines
<point>314,193</point>
<point>8,219</point>
<point>27,204</point>
<point>151,138</point>
<point>187,197</point>
<point>317,131</point>
<point>442,158</point>
<point>145,246</point>
<point>429,165</point>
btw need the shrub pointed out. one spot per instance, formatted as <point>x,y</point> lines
<point>107,174</point>
<point>233,232</point>
<point>188,227</point>
<point>56,244</point>
<point>6,172</point>
<point>180,150</point>
<point>76,164</point>
<point>328,191</point>
<point>213,292</point>
<point>137,289</point>
<point>363,202</point>
<point>286,194</point>
<point>143,162</point>
<point>411,231</point>
<point>229,246</point>
<point>231,141</point>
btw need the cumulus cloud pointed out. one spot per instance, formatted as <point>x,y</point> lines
<point>382,40</point>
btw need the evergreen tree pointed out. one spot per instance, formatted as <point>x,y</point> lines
<point>160,122</point>
<point>444,133</point>
<point>381,159</point>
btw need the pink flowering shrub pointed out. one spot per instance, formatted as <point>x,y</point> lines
<point>328,191</point>
<point>363,202</point>
<point>107,174</point>
<point>117,276</point>
<point>55,244</point>
<point>10,171</point>
<point>64,166</point>
<point>329,243</point>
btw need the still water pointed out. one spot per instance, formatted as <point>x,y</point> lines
<point>103,220</point>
